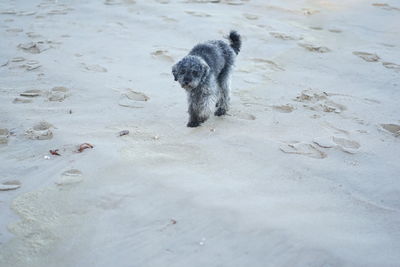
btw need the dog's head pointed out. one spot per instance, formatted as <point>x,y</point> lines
<point>190,72</point>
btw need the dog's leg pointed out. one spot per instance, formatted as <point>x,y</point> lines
<point>218,104</point>
<point>200,110</point>
<point>194,119</point>
<point>224,98</point>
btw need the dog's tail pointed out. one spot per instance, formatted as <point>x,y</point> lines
<point>236,41</point>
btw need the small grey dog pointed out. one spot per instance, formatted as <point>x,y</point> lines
<point>205,75</point>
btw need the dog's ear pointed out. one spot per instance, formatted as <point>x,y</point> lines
<point>206,71</point>
<point>175,71</point>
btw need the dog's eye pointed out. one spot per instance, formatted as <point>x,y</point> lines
<point>195,72</point>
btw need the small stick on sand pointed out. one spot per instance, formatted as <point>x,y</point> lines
<point>84,146</point>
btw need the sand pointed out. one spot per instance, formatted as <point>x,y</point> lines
<point>303,171</point>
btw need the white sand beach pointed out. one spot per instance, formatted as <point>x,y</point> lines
<point>303,171</point>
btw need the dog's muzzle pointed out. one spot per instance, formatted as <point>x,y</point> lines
<point>187,87</point>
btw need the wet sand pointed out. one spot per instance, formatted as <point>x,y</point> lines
<point>98,168</point>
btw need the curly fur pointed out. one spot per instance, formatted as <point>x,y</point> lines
<point>205,75</point>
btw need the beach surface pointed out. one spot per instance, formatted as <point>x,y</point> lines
<point>98,168</point>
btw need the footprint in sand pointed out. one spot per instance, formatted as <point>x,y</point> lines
<point>315,48</point>
<point>58,93</point>
<point>228,2</point>
<point>4,63</point>
<point>324,142</point>
<point>119,2</point>
<point>94,68</point>
<point>31,65</point>
<point>202,1</point>
<point>8,12</point>
<point>19,100</point>
<point>28,65</point>
<point>304,149</point>
<point>42,126</point>
<point>198,14</point>
<point>27,96</point>
<point>344,144</point>
<point>31,93</point>
<point>349,146</point>
<point>17,59</point>
<point>242,115</point>
<point>10,185</point>
<point>70,177</point>
<point>133,99</point>
<point>284,108</point>
<point>319,101</point>
<point>392,128</point>
<point>163,55</point>
<point>168,19</point>
<point>389,65</point>
<point>265,64</point>
<point>59,11</point>
<point>335,129</point>
<point>369,57</point>
<point>4,134</point>
<point>316,28</point>
<point>329,106</point>
<point>245,116</point>
<point>310,95</point>
<point>40,131</point>
<point>109,202</point>
<point>386,6</point>
<point>34,47</point>
<point>284,36</point>
<point>235,2</point>
<point>370,100</point>
<point>26,13</point>
<point>15,30</point>
<point>387,45</point>
<point>335,30</point>
<point>33,35</point>
<point>250,16</point>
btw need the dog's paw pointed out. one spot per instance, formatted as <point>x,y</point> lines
<point>193,124</point>
<point>220,112</point>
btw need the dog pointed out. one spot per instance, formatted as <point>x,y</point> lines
<point>205,75</point>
